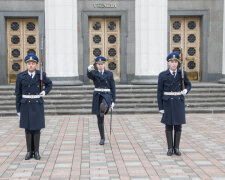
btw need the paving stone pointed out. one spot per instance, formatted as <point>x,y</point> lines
<point>136,149</point>
<point>12,167</point>
<point>22,174</point>
<point>133,164</point>
<point>64,165</point>
<point>203,163</point>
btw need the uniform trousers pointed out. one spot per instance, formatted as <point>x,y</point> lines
<point>177,128</point>
<point>101,119</point>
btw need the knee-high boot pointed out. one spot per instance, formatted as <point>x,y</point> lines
<point>29,144</point>
<point>32,145</point>
<point>169,138</point>
<point>36,146</point>
<point>102,134</point>
<point>177,135</point>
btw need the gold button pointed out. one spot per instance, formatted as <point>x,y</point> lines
<point>36,101</point>
<point>28,93</point>
<point>172,98</point>
<point>29,101</point>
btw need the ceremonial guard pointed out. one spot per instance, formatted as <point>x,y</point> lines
<point>171,103</point>
<point>104,94</point>
<point>30,104</point>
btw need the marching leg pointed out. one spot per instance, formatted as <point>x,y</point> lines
<point>28,141</point>
<point>36,145</point>
<point>103,108</point>
<point>101,129</point>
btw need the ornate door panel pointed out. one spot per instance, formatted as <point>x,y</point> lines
<point>104,40</point>
<point>22,39</point>
<point>186,30</point>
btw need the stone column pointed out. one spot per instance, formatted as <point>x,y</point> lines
<point>61,56</point>
<point>150,39</point>
<point>223,60</point>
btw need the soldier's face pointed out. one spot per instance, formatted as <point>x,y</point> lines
<point>31,66</point>
<point>100,66</point>
<point>173,65</point>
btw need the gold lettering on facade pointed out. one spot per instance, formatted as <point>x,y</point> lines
<point>105,5</point>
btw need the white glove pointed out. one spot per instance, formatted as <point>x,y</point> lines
<point>161,111</point>
<point>18,114</point>
<point>90,67</point>
<point>42,94</point>
<point>184,92</point>
<point>112,105</point>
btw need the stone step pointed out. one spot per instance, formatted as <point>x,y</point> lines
<point>134,95</point>
<point>119,86</point>
<point>118,106</point>
<point>116,111</point>
<point>204,98</point>
<point>195,92</point>
<point>120,101</point>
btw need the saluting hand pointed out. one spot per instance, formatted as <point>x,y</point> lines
<point>90,67</point>
<point>42,94</point>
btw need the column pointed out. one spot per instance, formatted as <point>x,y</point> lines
<point>223,56</point>
<point>61,54</point>
<point>151,40</point>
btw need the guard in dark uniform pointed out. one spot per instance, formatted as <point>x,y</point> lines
<point>30,104</point>
<point>104,95</point>
<point>171,102</point>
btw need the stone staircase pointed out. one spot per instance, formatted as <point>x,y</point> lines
<point>131,99</point>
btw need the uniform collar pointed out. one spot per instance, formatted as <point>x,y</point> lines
<point>171,72</point>
<point>168,71</point>
<point>101,71</point>
<point>33,73</point>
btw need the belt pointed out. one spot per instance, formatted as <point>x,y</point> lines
<point>172,93</point>
<point>31,96</point>
<point>102,90</point>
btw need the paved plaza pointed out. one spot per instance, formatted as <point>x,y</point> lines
<point>135,150</point>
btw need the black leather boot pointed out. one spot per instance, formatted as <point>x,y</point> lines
<point>103,109</point>
<point>102,134</point>
<point>36,146</point>
<point>32,145</point>
<point>28,141</point>
<point>177,136</point>
<point>169,138</point>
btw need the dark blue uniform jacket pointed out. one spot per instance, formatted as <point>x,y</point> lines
<point>173,106</point>
<point>105,81</point>
<point>31,110</point>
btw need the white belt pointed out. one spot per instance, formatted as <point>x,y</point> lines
<point>31,96</point>
<point>102,90</point>
<point>172,93</point>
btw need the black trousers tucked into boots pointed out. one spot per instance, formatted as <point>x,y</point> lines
<point>103,107</point>
<point>173,145</point>
<point>33,141</point>
<point>177,135</point>
<point>102,133</point>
